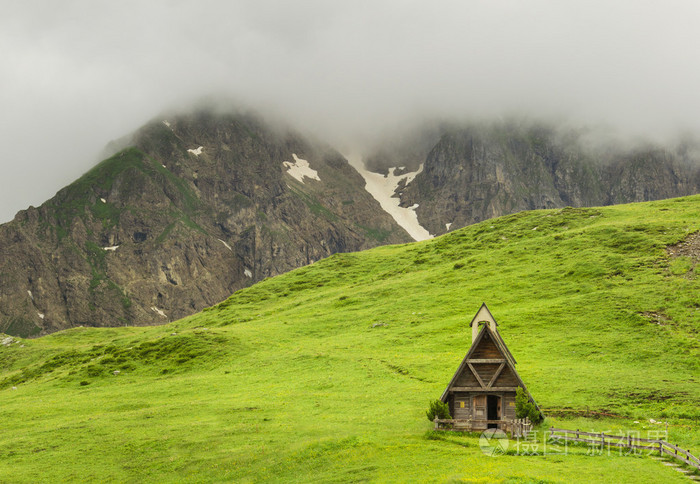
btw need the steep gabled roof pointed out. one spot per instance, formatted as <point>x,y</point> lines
<point>509,362</point>
<point>483,314</point>
<point>496,337</point>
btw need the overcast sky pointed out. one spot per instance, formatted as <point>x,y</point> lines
<point>76,74</point>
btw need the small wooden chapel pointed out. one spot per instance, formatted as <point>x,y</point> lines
<point>482,391</point>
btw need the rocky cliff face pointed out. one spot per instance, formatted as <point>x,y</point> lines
<point>477,172</point>
<point>194,209</point>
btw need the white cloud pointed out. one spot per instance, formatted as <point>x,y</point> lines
<point>76,74</point>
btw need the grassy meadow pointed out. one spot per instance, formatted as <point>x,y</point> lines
<point>325,373</point>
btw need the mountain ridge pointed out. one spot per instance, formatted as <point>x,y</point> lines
<point>476,172</point>
<point>198,205</point>
<point>196,208</point>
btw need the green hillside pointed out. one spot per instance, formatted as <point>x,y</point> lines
<point>325,373</point>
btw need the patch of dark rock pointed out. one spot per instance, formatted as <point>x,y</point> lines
<point>140,237</point>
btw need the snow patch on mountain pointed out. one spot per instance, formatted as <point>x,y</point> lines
<point>383,189</point>
<point>300,169</point>
<point>225,244</point>
<point>159,311</point>
<point>196,152</point>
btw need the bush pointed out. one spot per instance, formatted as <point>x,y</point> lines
<point>525,408</point>
<point>438,409</point>
<point>94,371</point>
<point>534,415</point>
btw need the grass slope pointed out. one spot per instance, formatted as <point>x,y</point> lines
<point>324,373</point>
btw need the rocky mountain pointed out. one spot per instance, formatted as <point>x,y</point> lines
<point>193,209</point>
<point>480,171</point>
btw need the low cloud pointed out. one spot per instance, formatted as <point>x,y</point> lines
<point>76,75</point>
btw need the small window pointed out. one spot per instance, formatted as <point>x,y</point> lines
<point>461,404</point>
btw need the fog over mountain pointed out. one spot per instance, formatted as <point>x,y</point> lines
<point>77,74</point>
